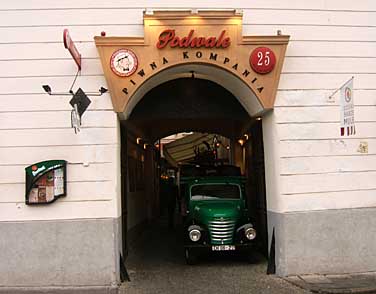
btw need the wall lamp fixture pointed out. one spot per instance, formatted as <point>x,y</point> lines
<point>149,11</point>
<point>238,11</point>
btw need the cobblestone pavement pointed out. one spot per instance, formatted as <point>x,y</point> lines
<point>156,265</point>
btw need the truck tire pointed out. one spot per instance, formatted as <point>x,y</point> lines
<point>190,256</point>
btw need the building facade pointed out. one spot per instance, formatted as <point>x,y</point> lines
<point>320,186</point>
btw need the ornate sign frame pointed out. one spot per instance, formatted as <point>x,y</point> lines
<point>209,37</point>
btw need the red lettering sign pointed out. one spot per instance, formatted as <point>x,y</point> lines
<point>262,60</point>
<point>68,43</point>
<point>168,37</point>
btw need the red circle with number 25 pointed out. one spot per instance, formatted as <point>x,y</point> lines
<point>262,60</point>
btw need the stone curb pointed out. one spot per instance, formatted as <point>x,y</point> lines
<point>60,290</point>
<point>343,291</point>
<point>313,287</point>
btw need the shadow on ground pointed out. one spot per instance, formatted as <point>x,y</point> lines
<point>156,264</point>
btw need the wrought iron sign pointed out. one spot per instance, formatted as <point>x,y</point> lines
<point>69,44</point>
<point>80,100</point>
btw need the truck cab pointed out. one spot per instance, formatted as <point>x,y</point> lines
<point>215,211</point>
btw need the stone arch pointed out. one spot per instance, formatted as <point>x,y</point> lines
<point>206,71</point>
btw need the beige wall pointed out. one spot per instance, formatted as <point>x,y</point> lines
<point>142,203</point>
<point>316,168</point>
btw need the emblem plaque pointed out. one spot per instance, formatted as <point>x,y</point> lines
<point>123,62</point>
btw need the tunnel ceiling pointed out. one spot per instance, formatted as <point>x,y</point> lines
<point>189,104</point>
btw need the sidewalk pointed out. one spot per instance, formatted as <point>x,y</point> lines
<point>344,283</point>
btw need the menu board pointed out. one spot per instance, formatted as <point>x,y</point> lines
<point>45,181</point>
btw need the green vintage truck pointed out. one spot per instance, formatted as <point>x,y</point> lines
<point>214,208</point>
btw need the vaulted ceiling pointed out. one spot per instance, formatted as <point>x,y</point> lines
<point>189,104</point>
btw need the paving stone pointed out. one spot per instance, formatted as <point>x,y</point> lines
<point>156,266</point>
<point>316,279</point>
<point>362,283</point>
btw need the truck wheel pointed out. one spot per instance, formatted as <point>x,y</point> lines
<point>190,257</point>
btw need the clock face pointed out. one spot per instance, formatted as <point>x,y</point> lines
<point>124,62</point>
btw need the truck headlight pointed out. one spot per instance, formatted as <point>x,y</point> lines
<point>250,233</point>
<point>194,235</point>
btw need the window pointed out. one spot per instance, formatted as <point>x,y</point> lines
<point>215,191</point>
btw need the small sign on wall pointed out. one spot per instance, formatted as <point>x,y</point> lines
<point>45,181</point>
<point>347,109</point>
<point>262,60</point>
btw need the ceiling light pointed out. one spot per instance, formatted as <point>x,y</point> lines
<point>149,11</point>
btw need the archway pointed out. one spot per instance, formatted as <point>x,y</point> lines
<point>189,104</point>
<point>205,71</point>
<point>210,46</point>
<point>185,101</point>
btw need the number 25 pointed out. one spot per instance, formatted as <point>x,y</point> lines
<point>263,60</point>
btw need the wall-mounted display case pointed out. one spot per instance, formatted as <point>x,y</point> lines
<point>45,181</point>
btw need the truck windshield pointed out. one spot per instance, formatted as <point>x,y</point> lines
<point>215,191</point>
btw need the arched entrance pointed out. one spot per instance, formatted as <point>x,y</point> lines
<point>205,59</point>
<point>202,43</point>
<point>188,104</point>
<point>204,71</point>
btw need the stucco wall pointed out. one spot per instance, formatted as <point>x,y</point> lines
<point>81,253</point>
<point>330,42</point>
<point>316,169</point>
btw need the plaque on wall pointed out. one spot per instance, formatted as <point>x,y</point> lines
<point>45,181</point>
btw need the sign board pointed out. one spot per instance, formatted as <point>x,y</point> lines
<point>174,40</point>
<point>69,44</point>
<point>124,62</point>
<point>45,181</point>
<point>347,109</point>
<point>168,37</point>
<point>81,100</point>
<point>262,60</point>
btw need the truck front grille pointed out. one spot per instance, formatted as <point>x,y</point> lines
<point>221,230</point>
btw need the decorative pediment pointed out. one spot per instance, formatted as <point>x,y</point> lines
<point>172,39</point>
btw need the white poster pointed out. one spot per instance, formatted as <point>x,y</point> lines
<point>58,182</point>
<point>347,109</point>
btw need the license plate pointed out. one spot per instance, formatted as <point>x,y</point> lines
<point>223,247</point>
